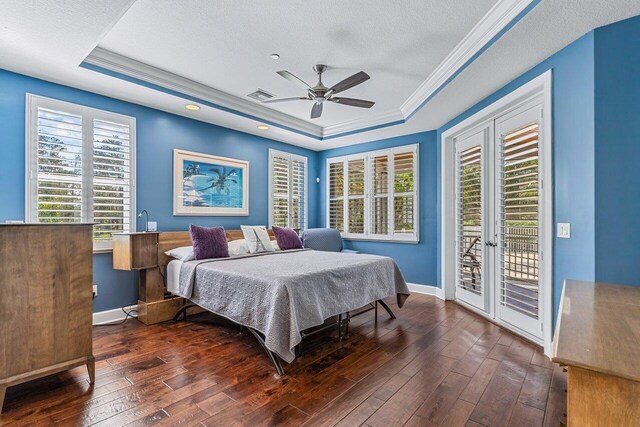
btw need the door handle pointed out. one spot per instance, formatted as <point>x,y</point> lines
<point>490,243</point>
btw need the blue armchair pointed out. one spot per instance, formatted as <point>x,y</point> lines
<point>324,239</point>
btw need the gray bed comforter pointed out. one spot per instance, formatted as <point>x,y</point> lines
<point>283,293</point>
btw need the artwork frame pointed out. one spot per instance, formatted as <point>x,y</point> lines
<point>208,185</point>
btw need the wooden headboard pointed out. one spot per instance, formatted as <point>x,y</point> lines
<point>174,239</point>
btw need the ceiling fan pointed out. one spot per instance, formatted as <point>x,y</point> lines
<point>320,94</point>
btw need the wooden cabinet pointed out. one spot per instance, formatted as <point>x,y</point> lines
<point>598,339</point>
<point>46,274</point>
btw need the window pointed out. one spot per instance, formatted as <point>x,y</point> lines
<point>374,195</point>
<point>287,190</point>
<point>80,167</point>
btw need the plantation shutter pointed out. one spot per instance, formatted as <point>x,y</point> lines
<point>298,188</point>
<point>280,191</point>
<point>519,220</point>
<point>380,194</point>
<point>374,195</point>
<point>404,193</point>
<point>111,179</point>
<point>469,219</point>
<point>288,183</point>
<point>59,193</point>
<point>80,167</point>
<point>356,193</point>
<point>336,195</point>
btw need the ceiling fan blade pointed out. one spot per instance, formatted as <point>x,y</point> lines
<point>316,111</point>
<point>353,102</point>
<point>350,82</point>
<point>295,98</point>
<point>294,79</point>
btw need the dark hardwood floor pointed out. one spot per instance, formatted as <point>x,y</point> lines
<point>437,364</point>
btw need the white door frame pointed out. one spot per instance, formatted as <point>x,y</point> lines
<point>540,86</point>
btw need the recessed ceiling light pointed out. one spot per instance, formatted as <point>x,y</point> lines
<point>275,56</point>
<point>263,127</point>
<point>192,107</point>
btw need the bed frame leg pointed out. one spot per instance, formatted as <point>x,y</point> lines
<point>183,311</point>
<point>274,357</point>
<point>386,307</point>
<point>340,327</point>
<point>348,322</point>
<point>375,314</point>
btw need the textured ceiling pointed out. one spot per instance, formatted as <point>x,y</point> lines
<point>226,45</point>
<point>49,39</point>
<point>548,28</point>
<point>54,32</point>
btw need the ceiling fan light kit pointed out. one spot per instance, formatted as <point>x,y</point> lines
<point>320,94</point>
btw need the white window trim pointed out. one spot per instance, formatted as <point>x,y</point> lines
<point>392,236</point>
<point>290,156</point>
<point>31,132</point>
<point>540,86</point>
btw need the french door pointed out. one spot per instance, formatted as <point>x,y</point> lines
<point>499,219</point>
<point>472,227</point>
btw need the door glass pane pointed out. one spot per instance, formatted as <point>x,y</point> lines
<point>469,223</point>
<point>519,220</point>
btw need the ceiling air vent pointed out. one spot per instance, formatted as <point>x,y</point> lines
<point>261,95</point>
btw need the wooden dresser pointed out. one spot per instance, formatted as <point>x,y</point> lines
<point>598,338</point>
<point>45,301</point>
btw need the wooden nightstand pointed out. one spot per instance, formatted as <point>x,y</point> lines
<point>139,251</point>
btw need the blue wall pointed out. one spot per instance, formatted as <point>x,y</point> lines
<point>158,133</point>
<point>617,148</point>
<point>596,150</point>
<point>417,261</point>
<point>573,156</point>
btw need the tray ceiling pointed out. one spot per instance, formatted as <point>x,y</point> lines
<point>428,60</point>
<point>226,45</point>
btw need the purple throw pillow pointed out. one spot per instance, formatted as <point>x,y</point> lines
<point>287,238</point>
<point>209,242</point>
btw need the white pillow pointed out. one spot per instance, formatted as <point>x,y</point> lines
<point>275,245</point>
<point>257,238</point>
<point>183,253</point>
<point>238,247</point>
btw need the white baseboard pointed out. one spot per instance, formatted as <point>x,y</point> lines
<point>426,290</point>
<point>111,316</point>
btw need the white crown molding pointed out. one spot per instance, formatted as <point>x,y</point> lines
<point>378,119</point>
<point>491,24</point>
<point>129,67</point>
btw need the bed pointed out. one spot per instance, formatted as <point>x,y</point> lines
<point>278,295</point>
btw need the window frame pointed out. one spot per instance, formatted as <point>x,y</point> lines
<point>369,156</point>
<point>88,114</point>
<point>290,157</point>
